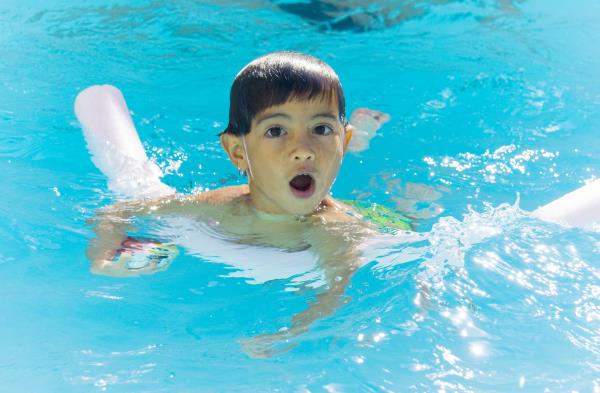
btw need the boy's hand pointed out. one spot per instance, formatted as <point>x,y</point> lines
<point>265,346</point>
<point>366,122</point>
<point>136,257</point>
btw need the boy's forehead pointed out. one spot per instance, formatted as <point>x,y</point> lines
<point>320,104</point>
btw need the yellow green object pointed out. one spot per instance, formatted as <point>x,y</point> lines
<point>384,217</point>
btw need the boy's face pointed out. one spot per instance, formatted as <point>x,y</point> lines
<point>292,154</point>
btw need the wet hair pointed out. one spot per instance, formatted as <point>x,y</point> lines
<point>275,79</point>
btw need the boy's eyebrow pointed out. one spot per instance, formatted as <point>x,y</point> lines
<point>328,115</point>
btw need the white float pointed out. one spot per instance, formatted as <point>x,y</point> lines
<point>579,208</point>
<point>114,144</point>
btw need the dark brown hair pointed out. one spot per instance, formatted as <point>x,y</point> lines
<point>277,78</point>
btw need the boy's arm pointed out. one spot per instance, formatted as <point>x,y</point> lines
<point>111,232</point>
<point>113,223</point>
<point>339,258</point>
<point>111,227</point>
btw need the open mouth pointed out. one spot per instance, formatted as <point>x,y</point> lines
<point>303,186</point>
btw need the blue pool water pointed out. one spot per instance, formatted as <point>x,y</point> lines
<point>488,99</point>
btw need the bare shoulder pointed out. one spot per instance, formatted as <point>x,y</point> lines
<point>178,203</point>
<point>221,196</point>
<point>212,202</point>
<point>336,211</point>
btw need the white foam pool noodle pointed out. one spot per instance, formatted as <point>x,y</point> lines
<point>580,208</point>
<point>114,143</point>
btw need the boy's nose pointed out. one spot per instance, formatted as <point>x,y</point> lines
<point>303,154</point>
<point>302,151</point>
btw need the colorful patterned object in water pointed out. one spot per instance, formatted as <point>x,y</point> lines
<point>138,253</point>
<point>384,217</point>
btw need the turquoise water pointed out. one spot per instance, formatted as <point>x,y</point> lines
<point>488,99</point>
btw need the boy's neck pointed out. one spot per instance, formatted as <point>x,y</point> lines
<point>272,211</point>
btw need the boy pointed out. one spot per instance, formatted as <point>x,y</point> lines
<point>288,132</point>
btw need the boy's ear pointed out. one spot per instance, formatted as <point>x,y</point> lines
<point>348,135</point>
<point>232,144</point>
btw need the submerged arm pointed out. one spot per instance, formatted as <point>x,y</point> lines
<point>111,227</point>
<point>111,232</point>
<point>338,273</point>
<point>113,223</point>
<point>339,257</point>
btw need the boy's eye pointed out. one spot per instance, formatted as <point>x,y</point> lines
<point>275,132</point>
<point>323,129</point>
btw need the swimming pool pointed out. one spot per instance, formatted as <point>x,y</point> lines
<point>488,99</point>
